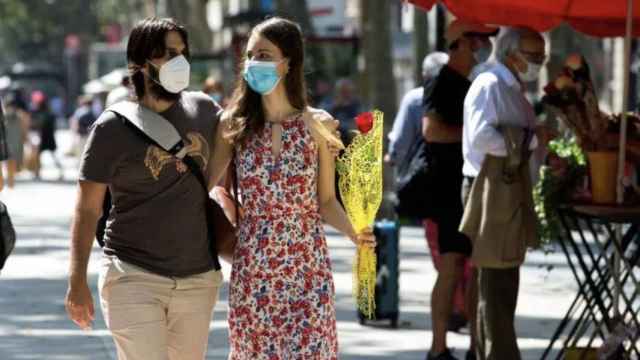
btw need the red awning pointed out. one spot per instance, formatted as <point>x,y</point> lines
<point>594,17</point>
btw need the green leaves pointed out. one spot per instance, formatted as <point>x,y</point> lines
<point>568,149</point>
<point>36,29</point>
<point>558,182</point>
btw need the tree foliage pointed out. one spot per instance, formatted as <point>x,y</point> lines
<point>36,29</point>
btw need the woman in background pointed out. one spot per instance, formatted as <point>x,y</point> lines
<point>16,128</point>
<point>45,120</point>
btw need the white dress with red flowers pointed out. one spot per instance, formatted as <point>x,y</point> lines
<point>281,296</point>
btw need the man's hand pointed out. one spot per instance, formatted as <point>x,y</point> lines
<point>333,124</point>
<point>79,304</point>
<point>329,123</point>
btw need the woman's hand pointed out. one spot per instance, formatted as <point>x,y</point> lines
<point>364,238</point>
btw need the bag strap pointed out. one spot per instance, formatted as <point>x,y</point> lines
<point>152,125</point>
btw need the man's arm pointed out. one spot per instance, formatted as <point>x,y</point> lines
<point>437,131</point>
<point>406,129</point>
<point>481,118</point>
<point>4,152</point>
<point>79,302</point>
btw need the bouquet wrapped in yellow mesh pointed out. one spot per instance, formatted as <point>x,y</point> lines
<point>360,184</point>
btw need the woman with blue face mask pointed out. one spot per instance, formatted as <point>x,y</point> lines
<point>281,298</point>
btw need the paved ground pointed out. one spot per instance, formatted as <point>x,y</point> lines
<point>33,324</point>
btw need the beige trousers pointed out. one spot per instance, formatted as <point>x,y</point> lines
<point>154,317</point>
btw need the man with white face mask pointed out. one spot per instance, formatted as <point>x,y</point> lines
<point>158,281</point>
<point>496,100</point>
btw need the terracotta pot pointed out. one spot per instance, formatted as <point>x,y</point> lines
<point>603,170</point>
<point>580,353</point>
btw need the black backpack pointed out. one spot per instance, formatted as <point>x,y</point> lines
<point>416,184</point>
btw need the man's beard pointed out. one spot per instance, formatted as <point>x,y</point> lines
<point>156,90</point>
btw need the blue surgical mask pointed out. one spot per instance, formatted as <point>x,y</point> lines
<point>217,97</point>
<point>261,76</point>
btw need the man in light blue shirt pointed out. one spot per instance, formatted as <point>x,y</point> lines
<point>407,126</point>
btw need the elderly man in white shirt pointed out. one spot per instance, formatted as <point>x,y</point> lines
<point>496,97</point>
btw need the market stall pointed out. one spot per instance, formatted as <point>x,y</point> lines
<point>599,240</point>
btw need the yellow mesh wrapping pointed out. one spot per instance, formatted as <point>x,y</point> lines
<point>360,184</point>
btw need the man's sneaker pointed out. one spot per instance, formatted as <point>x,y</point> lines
<point>471,355</point>
<point>445,355</point>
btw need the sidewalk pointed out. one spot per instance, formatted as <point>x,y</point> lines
<point>33,323</point>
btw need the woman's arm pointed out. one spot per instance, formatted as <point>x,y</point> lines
<point>222,154</point>
<point>330,209</point>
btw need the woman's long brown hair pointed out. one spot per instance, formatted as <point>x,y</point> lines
<point>245,110</point>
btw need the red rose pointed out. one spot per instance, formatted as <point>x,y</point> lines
<point>364,122</point>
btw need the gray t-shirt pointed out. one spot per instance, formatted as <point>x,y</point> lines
<point>157,220</point>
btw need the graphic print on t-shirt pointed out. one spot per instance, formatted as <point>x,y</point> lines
<point>156,159</point>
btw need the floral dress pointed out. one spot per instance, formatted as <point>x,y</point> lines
<point>281,296</point>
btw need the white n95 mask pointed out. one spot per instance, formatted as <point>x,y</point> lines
<point>174,74</point>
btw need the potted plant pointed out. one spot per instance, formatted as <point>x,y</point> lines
<point>561,180</point>
<point>572,97</point>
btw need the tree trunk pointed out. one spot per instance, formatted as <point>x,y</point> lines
<point>193,14</point>
<point>420,42</point>
<point>150,8</point>
<point>441,23</point>
<point>379,80</point>
<point>376,38</point>
<point>298,11</point>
